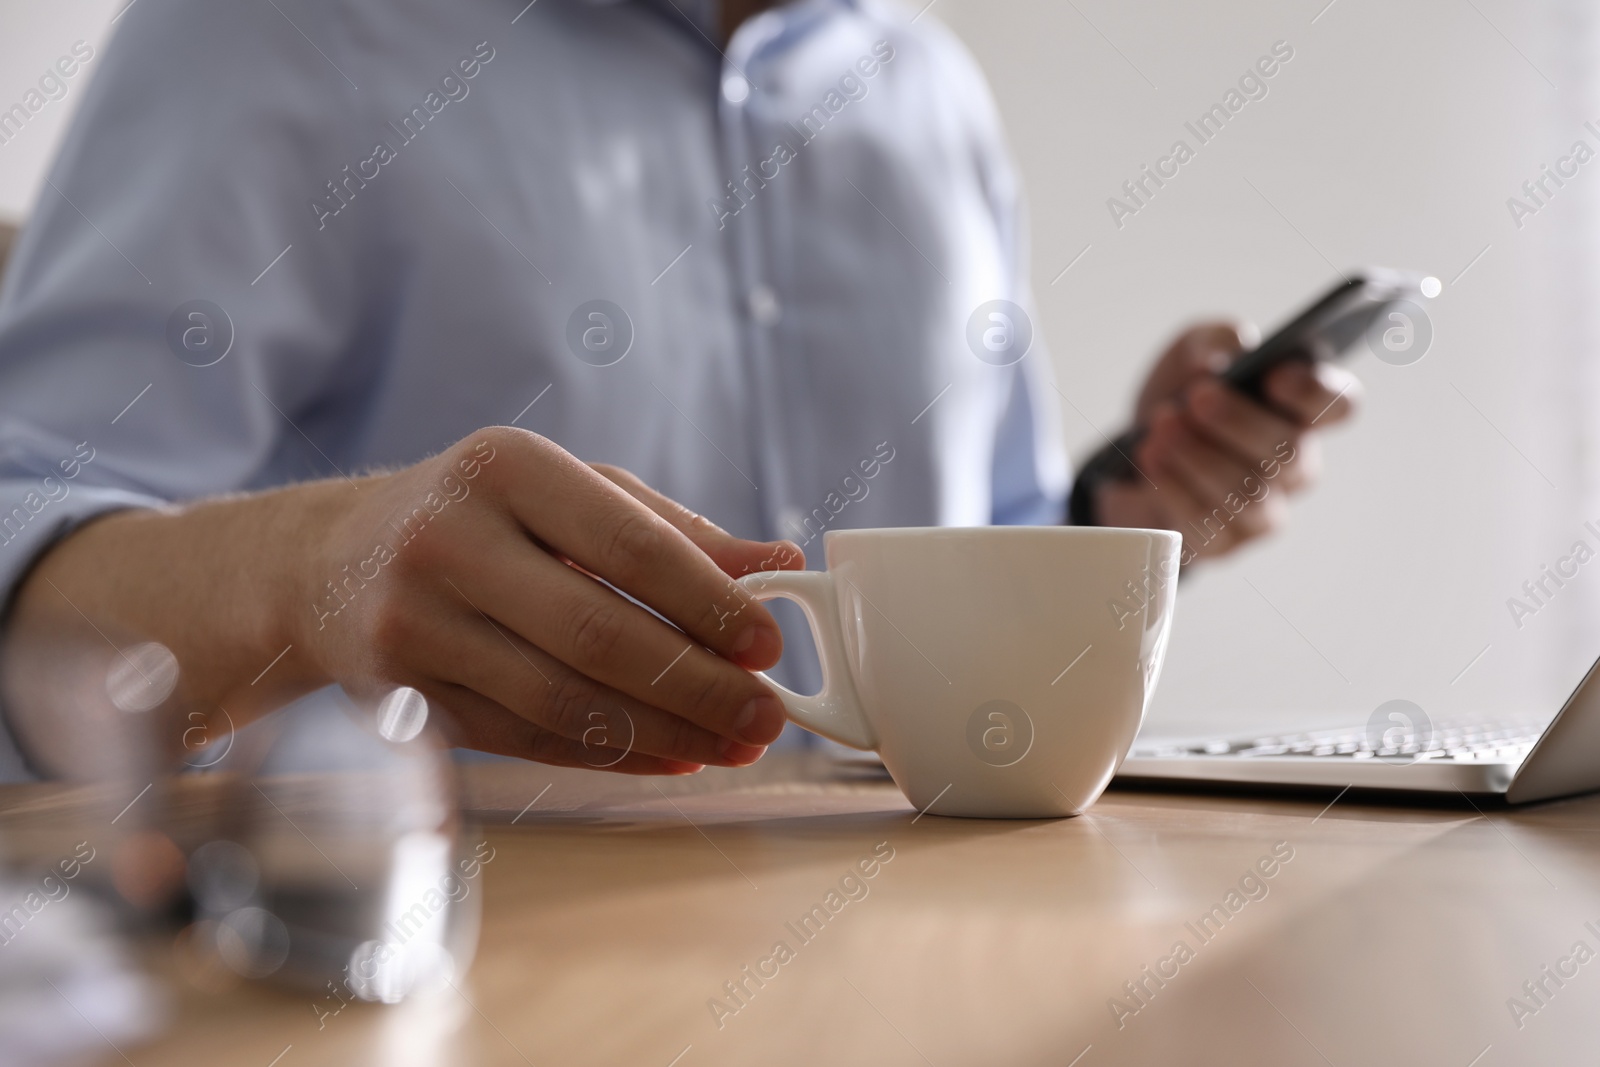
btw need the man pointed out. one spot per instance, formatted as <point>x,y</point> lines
<point>762,264</point>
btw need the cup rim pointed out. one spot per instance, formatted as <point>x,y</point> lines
<point>1000,531</point>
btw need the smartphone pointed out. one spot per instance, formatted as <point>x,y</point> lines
<point>1327,329</point>
<point>1332,325</point>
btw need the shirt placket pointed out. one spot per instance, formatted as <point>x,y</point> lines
<point>754,266</point>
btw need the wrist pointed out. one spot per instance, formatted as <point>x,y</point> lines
<point>1086,505</point>
<point>1082,505</point>
<point>301,530</point>
<point>220,583</point>
<point>223,585</point>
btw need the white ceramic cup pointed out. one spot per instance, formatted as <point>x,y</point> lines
<point>1001,672</point>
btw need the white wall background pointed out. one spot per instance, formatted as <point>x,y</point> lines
<point>1393,136</point>
<point>33,35</point>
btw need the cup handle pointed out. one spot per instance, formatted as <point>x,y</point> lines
<point>836,711</point>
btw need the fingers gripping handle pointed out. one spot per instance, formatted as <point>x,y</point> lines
<point>836,711</point>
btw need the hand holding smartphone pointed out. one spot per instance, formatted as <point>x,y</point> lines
<point>1328,328</point>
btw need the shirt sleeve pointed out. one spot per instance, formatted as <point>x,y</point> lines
<point>171,314</point>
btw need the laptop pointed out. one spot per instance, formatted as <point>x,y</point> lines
<point>1399,749</point>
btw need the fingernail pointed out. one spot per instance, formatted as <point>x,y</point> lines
<point>739,754</point>
<point>760,721</point>
<point>673,766</point>
<point>757,648</point>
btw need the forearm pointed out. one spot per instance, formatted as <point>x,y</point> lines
<point>217,583</point>
<point>465,577</point>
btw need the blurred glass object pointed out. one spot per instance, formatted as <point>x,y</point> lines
<point>340,865</point>
<point>321,847</point>
<point>79,876</point>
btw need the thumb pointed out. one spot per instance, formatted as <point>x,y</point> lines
<point>1202,350</point>
<point>1214,345</point>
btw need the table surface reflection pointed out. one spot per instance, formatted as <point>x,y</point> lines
<point>617,912</point>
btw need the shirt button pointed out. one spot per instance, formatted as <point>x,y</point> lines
<point>735,88</point>
<point>764,306</point>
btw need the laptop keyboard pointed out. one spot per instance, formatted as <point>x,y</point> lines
<point>1478,742</point>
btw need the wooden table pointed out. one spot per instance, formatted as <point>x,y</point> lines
<point>617,909</point>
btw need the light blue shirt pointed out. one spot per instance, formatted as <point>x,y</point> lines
<point>299,239</point>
